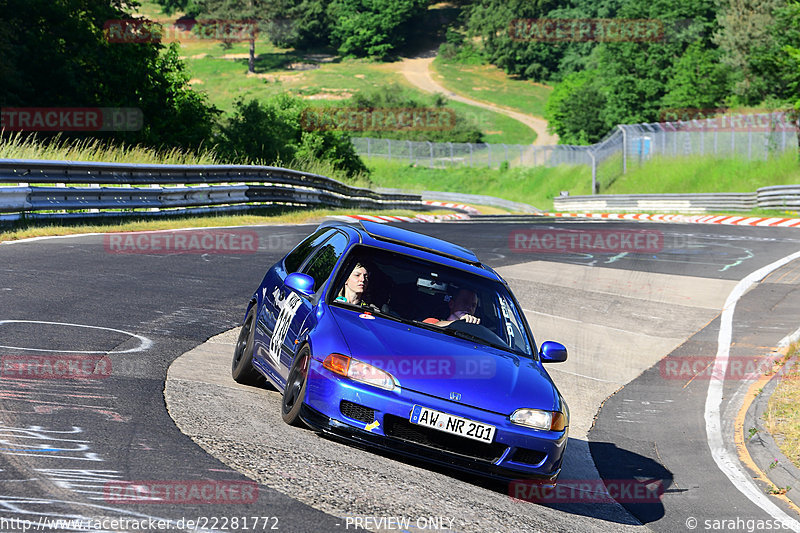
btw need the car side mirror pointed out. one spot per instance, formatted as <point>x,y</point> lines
<point>552,352</point>
<point>300,283</point>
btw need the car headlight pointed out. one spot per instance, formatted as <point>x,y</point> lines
<point>359,371</point>
<point>538,419</point>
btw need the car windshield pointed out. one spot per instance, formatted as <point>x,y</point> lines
<point>432,296</point>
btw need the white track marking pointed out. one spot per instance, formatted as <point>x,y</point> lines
<point>144,342</point>
<point>728,462</point>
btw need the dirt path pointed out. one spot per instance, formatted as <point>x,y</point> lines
<point>417,72</point>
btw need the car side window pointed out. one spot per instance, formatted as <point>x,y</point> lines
<point>321,264</point>
<point>303,250</point>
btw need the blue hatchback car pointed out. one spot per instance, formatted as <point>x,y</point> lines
<point>403,342</point>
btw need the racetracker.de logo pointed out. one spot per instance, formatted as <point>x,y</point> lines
<point>585,241</point>
<point>553,30</point>
<point>183,242</point>
<point>587,491</point>
<point>733,368</point>
<point>431,367</point>
<point>180,492</point>
<point>71,119</point>
<point>382,119</point>
<point>182,30</point>
<point>55,366</point>
<point>722,120</point>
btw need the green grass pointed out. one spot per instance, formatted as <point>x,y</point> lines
<point>532,185</point>
<point>278,215</point>
<point>496,127</point>
<point>706,174</point>
<point>783,410</point>
<point>538,185</point>
<point>221,73</point>
<point>490,84</point>
<point>20,147</point>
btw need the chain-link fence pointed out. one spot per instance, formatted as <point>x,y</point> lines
<point>444,155</point>
<point>752,137</point>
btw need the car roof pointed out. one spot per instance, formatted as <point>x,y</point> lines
<point>374,233</point>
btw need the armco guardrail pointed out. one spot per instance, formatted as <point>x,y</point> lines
<point>774,197</point>
<point>465,198</point>
<point>779,196</point>
<point>676,203</point>
<point>128,187</point>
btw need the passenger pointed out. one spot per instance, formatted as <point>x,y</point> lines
<point>353,290</point>
<point>462,307</point>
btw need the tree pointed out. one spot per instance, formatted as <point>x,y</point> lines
<point>252,14</point>
<point>699,80</point>
<point>507,31</point>
<point>56,54</point>
<point>173,6</point>
<point>372,28</point>
<point>310,24</point>
<point>744,29</point>
<point>574,109</point>
<point>272,131</point>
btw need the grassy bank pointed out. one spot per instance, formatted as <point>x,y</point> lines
<point>538,185</point>
<point>322,79</point>
<point>532,185</point>
<point>20,147</point>
<point>707,174</point>
<point>278,215</point>
<point>783,411</point>
<point>490,84</point>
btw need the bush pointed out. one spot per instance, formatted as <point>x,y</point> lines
<point>271,132</point>
<point>458,128</point>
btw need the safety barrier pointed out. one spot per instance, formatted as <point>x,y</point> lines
<point>47,189</point>
<point>774,197</point>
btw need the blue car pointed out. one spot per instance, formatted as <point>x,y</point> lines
<point>403,342</point>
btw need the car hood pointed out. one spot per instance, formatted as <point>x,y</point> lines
<point>443,366</point>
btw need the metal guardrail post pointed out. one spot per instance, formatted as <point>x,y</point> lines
<point>594,172</point>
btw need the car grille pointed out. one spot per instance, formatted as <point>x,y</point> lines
<point>528,457</point>
<point>400,428</point>
<point>357,412</point>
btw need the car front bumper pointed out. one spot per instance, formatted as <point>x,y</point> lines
<point>517,453</point>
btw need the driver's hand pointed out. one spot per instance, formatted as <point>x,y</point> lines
<point>470,319</point>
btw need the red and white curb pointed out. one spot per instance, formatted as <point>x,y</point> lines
<point>691,219</point>
<point>450,205</point>
<point>383,219</point>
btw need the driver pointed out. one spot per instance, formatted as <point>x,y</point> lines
<point>354,287</point>
<point>462,307</point>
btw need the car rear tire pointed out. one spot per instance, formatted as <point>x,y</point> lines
<point>295,391</point>
<point>242,366</point>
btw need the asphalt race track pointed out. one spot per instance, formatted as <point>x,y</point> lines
<point>129,444</point>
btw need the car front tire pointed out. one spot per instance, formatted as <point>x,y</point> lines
<point>242,366</point>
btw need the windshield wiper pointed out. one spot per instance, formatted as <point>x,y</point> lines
<point>470,337</point>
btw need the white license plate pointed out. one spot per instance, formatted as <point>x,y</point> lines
<point>455,425</point>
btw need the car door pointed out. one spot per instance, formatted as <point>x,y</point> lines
<point>274,306</point>
<point>284,312</point>
<point>319,266</point>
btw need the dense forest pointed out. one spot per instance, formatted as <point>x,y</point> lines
<point>705,54</point>
<point>611,62</point>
